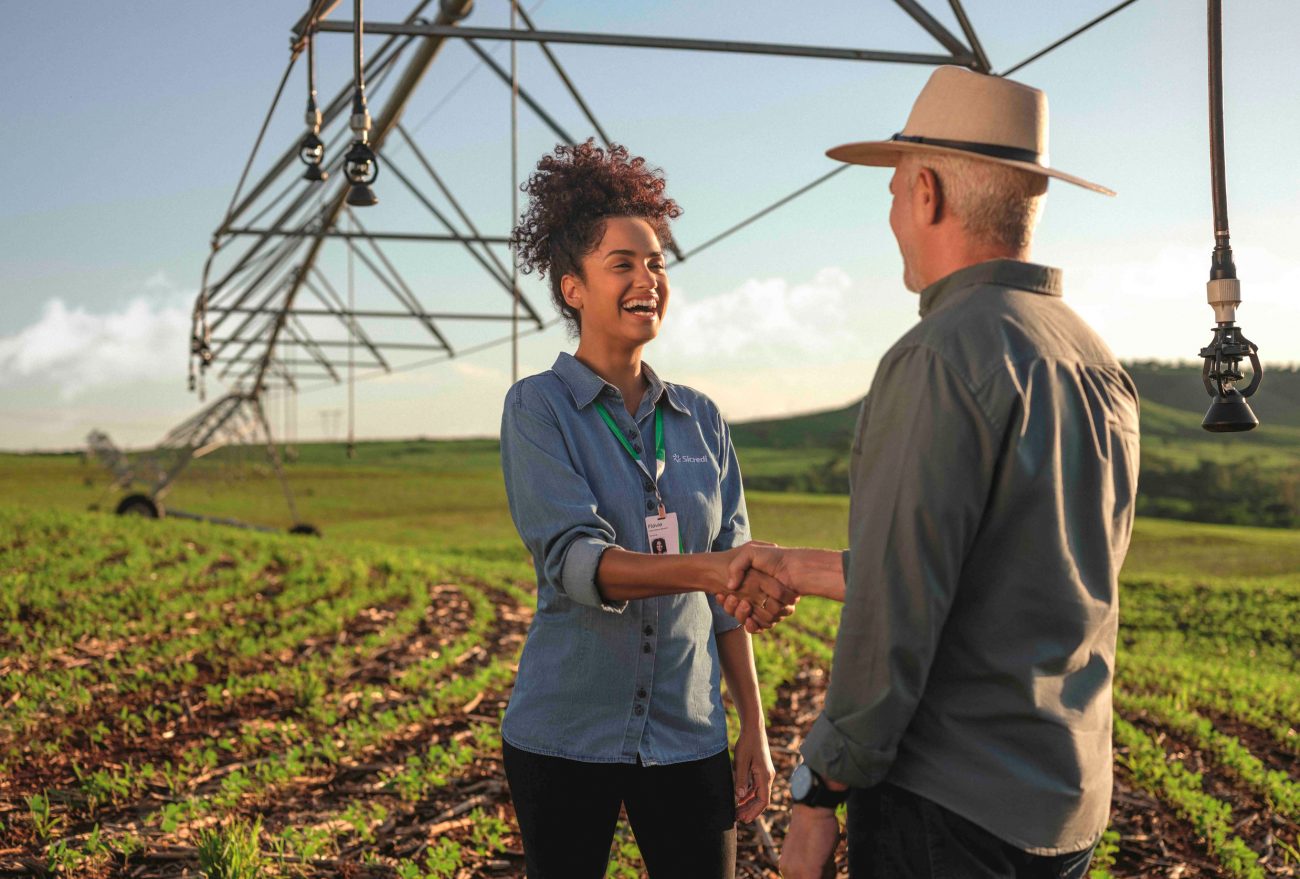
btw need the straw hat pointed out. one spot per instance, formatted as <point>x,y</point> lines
<point>963,113</point>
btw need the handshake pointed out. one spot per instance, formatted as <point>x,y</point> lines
<point>765,581</point>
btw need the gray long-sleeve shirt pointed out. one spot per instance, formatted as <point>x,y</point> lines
<point>994,475</point>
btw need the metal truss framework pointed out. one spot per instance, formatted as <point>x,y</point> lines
<point>233,419</point>
<point>250,318</point>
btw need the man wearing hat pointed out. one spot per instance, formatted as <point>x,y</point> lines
<point>993,480</point>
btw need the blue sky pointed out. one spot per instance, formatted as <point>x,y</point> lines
<point>131,122</point>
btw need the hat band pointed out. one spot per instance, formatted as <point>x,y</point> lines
<point>992,150</point>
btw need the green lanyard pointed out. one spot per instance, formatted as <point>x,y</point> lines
<point>660,457</point>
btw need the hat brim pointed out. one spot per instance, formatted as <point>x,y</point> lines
<point>885,154</point>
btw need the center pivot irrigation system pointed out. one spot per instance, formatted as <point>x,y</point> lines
<point>269,318</point>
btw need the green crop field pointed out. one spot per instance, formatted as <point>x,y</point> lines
<point>179,698</point>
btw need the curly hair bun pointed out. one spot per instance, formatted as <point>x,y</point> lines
<point>570,195</point>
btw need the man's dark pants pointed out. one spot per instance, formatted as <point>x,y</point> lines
<point>896,834</point>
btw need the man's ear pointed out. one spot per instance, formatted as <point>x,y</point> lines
<point>571,290</point>
<point>927,197</point>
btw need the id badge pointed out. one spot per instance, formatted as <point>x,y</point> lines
<point>663,535</point>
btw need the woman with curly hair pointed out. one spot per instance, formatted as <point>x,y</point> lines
<point>626,490</point>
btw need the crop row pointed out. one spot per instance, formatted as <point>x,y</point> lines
<point>259,630</point>
<point>1169,780</point>
<point>1245,690</point>
<point>1281,793</point>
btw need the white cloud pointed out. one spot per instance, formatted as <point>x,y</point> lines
<point>759,320</point>
<point>76,350</point>
<point>479,373</point>
<point>1155,307</point>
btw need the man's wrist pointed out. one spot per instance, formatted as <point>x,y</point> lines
<point>819,813</point>
<point>816,572</point>
<point>807,787</point>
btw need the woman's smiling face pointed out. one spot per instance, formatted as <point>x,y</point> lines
<point>623,292</point>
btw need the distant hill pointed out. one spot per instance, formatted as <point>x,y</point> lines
<point>1246,478</point>
<point>1173,403</point>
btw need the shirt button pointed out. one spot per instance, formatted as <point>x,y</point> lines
<point>645,648</point>
<point>638,710</point>
<point>641,694</point>
<point>649,630</point>
<point>649,486</point>
<point>650,506</point>
<point>636,447</point>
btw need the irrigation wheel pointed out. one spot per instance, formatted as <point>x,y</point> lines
<point>139,505</point>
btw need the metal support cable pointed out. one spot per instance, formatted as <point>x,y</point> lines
<point>266,122</point>
<point>932,26</point>
<point>274,455</point>
<point>352,366</point>
<point>285,249</point>
<point>537,108</point>
<point>411,301</point>
<point>299,334</point>
<point>444,358</point>
<point>577,98</point>
<point>981,60</point>
<point>1065,39</point>
<point>764,212</point>
<point>339,310</point>
<point>199,330</point>
<point>560,72</point>
<point>259,335</point>
<point>460,83</point>
<point>514,189</point>
<point>423,199</point>
<point>455,204</point>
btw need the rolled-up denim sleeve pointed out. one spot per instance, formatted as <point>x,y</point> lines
<point>551,503</point>
<point>735,518</point>
<point>928,455</point>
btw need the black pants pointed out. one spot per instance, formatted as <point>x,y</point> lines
<point>683,815</point>
<point>896,834</point>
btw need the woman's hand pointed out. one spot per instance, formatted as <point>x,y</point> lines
<point>753,772</point>
<point>758,600</point>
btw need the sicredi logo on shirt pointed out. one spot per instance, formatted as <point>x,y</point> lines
<point>688,459</point>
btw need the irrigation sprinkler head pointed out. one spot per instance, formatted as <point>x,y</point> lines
<point>361,167</point>
<point>1229,412</point>
<point>312,152</point>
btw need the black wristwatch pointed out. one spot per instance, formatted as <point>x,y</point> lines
<point>809,789</point>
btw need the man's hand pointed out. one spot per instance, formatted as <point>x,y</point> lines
<point>810,843</point>
<point>759,600</point>
<point>749,560</point>
<point>803,571</point>
<point>753,773</point>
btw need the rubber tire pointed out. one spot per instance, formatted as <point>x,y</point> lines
<point>139,505</point>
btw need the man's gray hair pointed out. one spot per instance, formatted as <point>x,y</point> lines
<point>996,204</point>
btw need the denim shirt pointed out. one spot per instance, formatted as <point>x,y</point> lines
<point>611,682</point>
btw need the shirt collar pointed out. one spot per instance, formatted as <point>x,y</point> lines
<point>1011,273</point>
<point>586,386</point>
